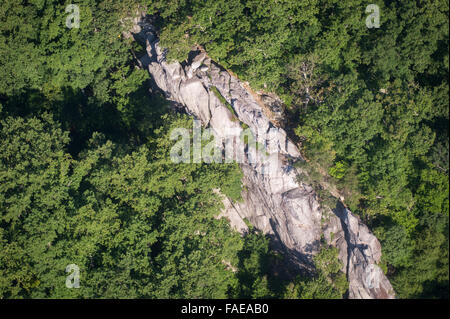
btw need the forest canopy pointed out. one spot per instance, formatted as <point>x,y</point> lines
<point>85,175</point>
<point>369,107</point>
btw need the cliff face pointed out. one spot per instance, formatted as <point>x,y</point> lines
<point>275,202</point>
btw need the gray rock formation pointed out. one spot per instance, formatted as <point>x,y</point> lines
<point>275,202</point>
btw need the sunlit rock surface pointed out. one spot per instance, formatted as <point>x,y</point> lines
<point>275,202</point>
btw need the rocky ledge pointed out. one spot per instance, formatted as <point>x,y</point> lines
<point>275,201</point>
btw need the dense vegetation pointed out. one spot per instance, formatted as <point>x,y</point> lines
<point>84,170</point>
<point>86,176</point>
<point>368,105</point>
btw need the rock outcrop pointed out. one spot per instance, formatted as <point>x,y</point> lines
<point>275,202</point>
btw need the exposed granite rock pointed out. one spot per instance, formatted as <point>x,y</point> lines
<point>232,214</point>
<point>274,201</point>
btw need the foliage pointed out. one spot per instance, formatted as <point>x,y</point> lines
<point>85,172</point>
<point>369,106</point>
<point>328,283</point>
<point>38,51</point>
<point>84,169</point>
<point>136,224</point>
<point>338,171</point>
